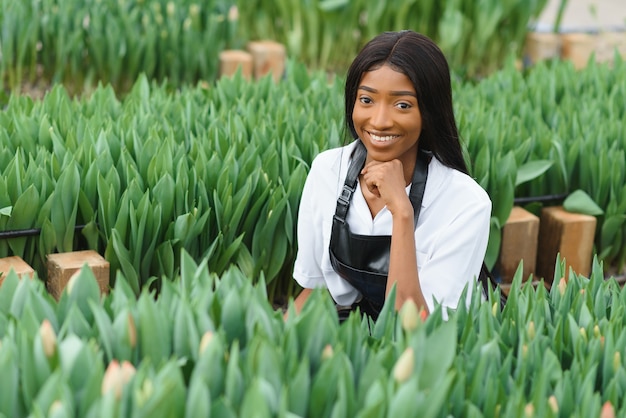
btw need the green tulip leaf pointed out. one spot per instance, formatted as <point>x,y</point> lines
<point>580,202</point>
<point>531,170</point>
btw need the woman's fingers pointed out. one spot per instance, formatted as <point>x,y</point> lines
<point>382,175</point>
<point>385,180</point>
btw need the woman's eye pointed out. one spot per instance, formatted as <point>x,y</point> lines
<point>365,100</point>
<point>404,106</point>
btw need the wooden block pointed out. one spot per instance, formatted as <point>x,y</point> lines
<point>609,44</point>
<point>232,59</point>
<point>519,242</point>
<point>578,47</point>
<point>570,234</point>
<point>268,57</point>
<point>541,46</point>
<point>62,266</point>
<point>18,265</point>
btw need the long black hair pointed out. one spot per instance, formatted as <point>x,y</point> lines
<point>421,60</point>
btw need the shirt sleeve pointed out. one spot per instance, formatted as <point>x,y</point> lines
<point>458,254</point>
<point>307,267</point>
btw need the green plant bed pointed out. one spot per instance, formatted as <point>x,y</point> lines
<point>213,344</point>
<point>200,169</point>
<point>476,36</point>
<point>551,130</point>
<point>217,169</point>
<point>108,41</point>
<point>84,43</point>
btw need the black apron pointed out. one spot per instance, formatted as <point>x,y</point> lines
<point>363,260</point>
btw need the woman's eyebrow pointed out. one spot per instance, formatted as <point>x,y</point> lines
<point>393,93</point>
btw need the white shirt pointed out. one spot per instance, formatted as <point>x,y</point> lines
<point>451,235</point>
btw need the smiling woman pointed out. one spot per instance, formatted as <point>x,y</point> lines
<point>416,219</point>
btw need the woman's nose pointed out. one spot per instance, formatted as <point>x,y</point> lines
<point>381,117</point>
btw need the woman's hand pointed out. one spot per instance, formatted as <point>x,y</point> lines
<point>385,180</point>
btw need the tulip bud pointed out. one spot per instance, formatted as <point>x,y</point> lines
<point>127,371</point>
<point>194,10</point>
<point>233,14</point>
<point>204,342</point>
<point>116,376</point>
<point>55,407</point>
<point>529,410</point>
<point>86,21</point>
<point>617,361</point>
<point>596,331</point>
<point>145,392</point>
<point>132,331</point>
<point>72,281</point>
<point>531,330</point>
<point>111,379</point>
<point>409,315</point>
<point>170,8</point>
<point>48,338</point>
<point>608,411</point>
<point>583,333</point>
<point>494,309</point>
<point>524,351</point>
<point>327,352</point>
<point>554,404</point>
<point>562,285</point>
<point>404,366</point>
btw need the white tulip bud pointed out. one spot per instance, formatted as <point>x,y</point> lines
<point>403,369</point>
<point>48,338</point>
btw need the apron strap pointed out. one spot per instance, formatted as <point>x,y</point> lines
<point>349,186</point>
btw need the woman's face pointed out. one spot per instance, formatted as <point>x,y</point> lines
<point>386,116</point>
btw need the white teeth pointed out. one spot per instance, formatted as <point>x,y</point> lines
<point>382,138</point>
